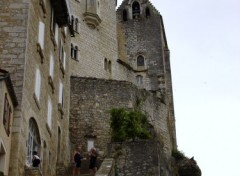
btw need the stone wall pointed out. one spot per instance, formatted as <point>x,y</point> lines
<point>13,33</point>
<point>142,36</point>
<point>91,100</point>
<point>139,158</point>
<point>13,41</point>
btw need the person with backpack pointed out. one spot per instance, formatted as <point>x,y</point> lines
<point>77,160</point>
<point>35,159</point>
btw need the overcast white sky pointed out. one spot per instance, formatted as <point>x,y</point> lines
<point>204,40</point>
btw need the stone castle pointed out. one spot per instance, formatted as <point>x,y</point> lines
<point>64,64</point>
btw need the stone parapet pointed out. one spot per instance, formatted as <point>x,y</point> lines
<point>32,172</point>
<point>107,168</point>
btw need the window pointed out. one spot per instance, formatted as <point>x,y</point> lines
<point>76,53</point>
<point>72,51</point>
<point>105,64</point>
<point>37,84</point>
<point>139,80</point>
<point>76,25</point>
<point>72,21</point>
<point>59,145</point>
<point>49,119</point>
<point>61,52</point>
<point>90,144</point>
<point>109,66</point>
<point>64,60</point>
<point>56,33</point>
<point>135,10</point>
<point>33,141</point>
<point>147,11</point>
<point>51,67</point>
<point>7,115</point>
<point>60,101</point>
<point>140,61</point>
<point>125,15</point>
<point>41,30</point>
<point>53,21</point>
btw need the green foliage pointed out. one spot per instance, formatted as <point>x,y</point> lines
<point>1,173</point>
<point>178,155</point>
<point>128,125</point>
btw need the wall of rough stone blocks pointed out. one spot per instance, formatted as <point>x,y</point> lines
<point>142,36</point>
<point>13,36</point>
<point>91,100</point>
<point>13,32</point>
<point>138,158</point>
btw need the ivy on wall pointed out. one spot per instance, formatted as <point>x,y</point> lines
<point>128,125</point>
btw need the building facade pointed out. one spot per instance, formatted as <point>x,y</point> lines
<point>35,45</point>
<point>8,101</point>
<point>70,62</point>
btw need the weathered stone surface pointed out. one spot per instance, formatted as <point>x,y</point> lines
<point>188,167</point>
<point>92,99</point>
<point>139,158</point>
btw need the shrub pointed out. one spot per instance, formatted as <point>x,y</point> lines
<point>178,155</point>
<point>128,125</point>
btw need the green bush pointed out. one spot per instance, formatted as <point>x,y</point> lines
<point>128,125</point>
<point>178,155</point>
<point>1,173</point>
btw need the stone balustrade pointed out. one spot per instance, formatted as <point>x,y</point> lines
<point>107,168</point>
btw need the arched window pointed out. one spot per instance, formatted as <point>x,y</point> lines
<point>140,61</point>
<point>33,142</point>
<point>76,53</point>
<point>76,24</point>
<point>135,10</point>
<point>105,64</point>
<point>109,66</point>
<point>125,15</point>
<point>72,51</point>
<point>147,11</point>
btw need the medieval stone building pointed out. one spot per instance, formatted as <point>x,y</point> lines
<point>70,62</point>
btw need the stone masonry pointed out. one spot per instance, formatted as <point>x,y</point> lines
<point>91,100</point>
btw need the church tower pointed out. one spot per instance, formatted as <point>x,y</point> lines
<point>143,48</point>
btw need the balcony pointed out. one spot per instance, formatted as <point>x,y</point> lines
<point>92,19</point>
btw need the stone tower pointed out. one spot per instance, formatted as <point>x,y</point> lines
<point>142,46</point>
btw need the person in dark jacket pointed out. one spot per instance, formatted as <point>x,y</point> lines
<point>35,159</point>
<point>76,158</point>
<point>93,161</point>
